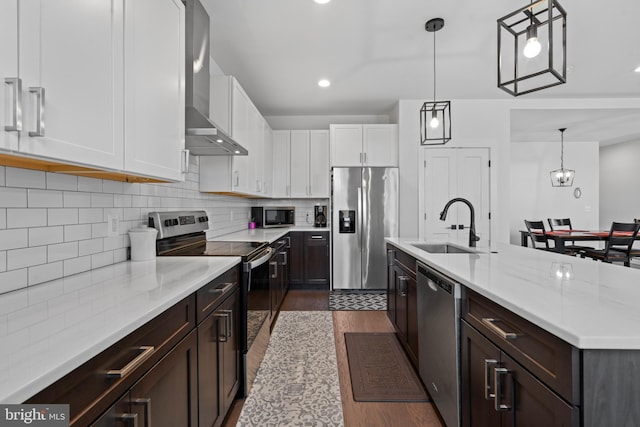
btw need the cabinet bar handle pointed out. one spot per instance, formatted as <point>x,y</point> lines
<point>315,236</point>
<point>130,419</point>
<point>499,406</point>
<point>146,403</point>
<point>360,157</point>
<point>284,255</point>
<point>391,254</point>
<point>147,350</point>
<point>487,378</point>
<point>229,322</point>
<point>39,91</point>
<point>274,264</point>
<point>365,158</point>
<point>16,93</point>
<point>402,288</point>
<point>216,336</point>
<point>185,161</point>
<point>489,322</point>
<point>236,178</point>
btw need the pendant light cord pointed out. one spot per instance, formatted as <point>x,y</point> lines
<point>434,68</point>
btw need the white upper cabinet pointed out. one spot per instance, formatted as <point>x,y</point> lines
<point>309,164</point>
<point>319,169</point>
<point>10,103</point>
<point>380,145</point>
<point>346,145</point>
<point>267,186</point>
<point>154,88</point>
<point>102,86</point>
<point>232,110</point>
<point>71,60</point>
<point>364,145</point>
<point>299,163</point>
<point>281,179</point>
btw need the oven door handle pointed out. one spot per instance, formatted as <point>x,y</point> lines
<point>258,262</point>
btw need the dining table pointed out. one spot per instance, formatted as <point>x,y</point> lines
<point>559,237</point>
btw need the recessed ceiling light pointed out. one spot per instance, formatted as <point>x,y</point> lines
<point>324,83</point>
<point>322,1</point>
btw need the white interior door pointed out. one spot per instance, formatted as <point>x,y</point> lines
<point>448,173</point>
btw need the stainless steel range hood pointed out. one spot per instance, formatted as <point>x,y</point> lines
<point>203,136</point>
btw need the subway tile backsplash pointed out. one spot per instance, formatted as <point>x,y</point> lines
<point>55,225</point>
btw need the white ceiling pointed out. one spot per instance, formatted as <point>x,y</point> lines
<point>377,51</point>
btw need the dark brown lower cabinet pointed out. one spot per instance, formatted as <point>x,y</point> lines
<point>402,300</point>
<point>499,392</point>
<point>219,361</point>
<point>167,395</point>
<point>309,266</point>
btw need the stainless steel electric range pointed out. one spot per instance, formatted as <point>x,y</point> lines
<point>183,233</point>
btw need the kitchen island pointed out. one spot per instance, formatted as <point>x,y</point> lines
<point>589,306</point>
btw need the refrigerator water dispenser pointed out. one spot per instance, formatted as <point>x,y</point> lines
<point>347,221</point>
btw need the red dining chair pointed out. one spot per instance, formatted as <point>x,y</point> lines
<point>556,224</point>
<point>618,247</point>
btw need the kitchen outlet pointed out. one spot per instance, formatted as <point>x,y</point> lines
<point>587,208</point>
<point>113,225</point>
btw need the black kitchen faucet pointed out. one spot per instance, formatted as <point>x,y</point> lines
<point>472,228</point>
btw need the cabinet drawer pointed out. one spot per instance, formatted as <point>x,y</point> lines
<point>93,387</point>
<point>313,238</point>
<point>552,360</point>
<point>213,293</point>
<point>407,262</point>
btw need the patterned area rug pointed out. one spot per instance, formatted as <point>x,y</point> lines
<point>357,300</point>
<point>297,383</point>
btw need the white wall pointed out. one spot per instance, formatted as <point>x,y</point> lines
<point>533,197</point>
<point>619,178</point>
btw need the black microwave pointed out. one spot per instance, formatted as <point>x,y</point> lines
<point>266,217</point>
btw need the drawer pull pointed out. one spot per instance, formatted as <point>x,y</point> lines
<point>129,419</point>
<point>147,350</point>
<point>222,290</point>
<point>147,409</point>
<point>488,363</point>
<point>316,237</point>
<point>499,406</point>
<point>489,322</point>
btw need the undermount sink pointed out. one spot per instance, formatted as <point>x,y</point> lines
<point>443,248</point>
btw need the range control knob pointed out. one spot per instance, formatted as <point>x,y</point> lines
<point>174,221</point>
<point>167,222</point>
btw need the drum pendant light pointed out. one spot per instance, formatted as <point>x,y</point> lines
<point>562,177</point>
<point>435,117</point>
<point>532,48</point>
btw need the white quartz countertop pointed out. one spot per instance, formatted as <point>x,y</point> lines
<point>263,234</point>
<point>50,329</point>
<point>589,304</point>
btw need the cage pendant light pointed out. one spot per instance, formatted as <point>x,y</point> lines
<point>435,117</point>
<point>562,177</point>
<point>532,48</point>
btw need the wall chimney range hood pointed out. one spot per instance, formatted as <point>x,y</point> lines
<point>203,136</point>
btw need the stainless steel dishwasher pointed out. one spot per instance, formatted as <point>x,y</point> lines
<point>439,339</point>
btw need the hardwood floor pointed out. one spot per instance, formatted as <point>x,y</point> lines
<point>355,413</point>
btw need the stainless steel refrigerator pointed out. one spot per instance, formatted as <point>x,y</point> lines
<point>364,204</point>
